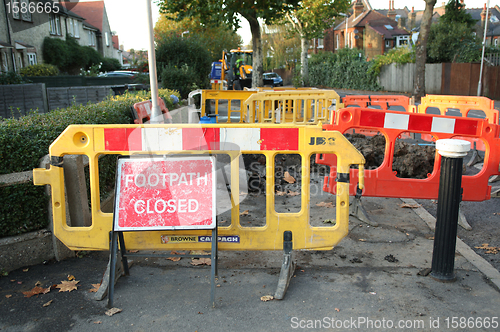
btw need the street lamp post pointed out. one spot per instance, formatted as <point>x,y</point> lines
<point>484,45</point>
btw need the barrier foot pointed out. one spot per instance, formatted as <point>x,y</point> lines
<point>357,210</point>
<point>102,292</point>
<point>476,158</point>
<point>287,267</point>
<point>495,193</point>
<point>462,221</point>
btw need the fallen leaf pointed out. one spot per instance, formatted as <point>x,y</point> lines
<point>489,250</point>
<point>38,283</point>
<point>95,289</point>
<point>198,252</point>
<point>410,206</point>
<point>113,311</point>
<point>26,269</point>
<point>337,309</point>
<point>8,296</point>
<point>71,277</point>
<point>97,322</point>
<point>288,178</point>
<point>324,204</point>
<point>36,291</point>
<point>373,293</point>
<point>134,251</point>
<point>266,298</point>
<point>47,304</point>
<point>67,286</point>
<point>329,221</point>
<point>362,240</point>
<point>201,261</point>
<point>280,193</point>
<point>174,259</point>
<point>293,193</point>
<point>244,213</point>
<point>200,313</point>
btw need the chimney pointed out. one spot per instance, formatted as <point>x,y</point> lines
<point>359,8</point>
<point>412,18</point>
<point>391,13</point>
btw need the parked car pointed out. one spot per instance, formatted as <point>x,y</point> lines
<point>120,73</point>
<point>273,79</point>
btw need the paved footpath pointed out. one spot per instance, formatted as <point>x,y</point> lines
<point>369,282</point>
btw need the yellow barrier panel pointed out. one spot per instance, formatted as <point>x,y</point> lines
<point>464,104</point>
<point>308,106</point>
<point>268,140</point>
<point>314,103</point>
<point>234,98</point>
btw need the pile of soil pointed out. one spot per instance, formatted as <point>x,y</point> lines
<point>410,159</point>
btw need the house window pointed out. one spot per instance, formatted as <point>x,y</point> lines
<point>20,60</point>
<point>70,28</point>
<point>92,38</point>
<point>388,44</point>
<point>338,42</point>
<point>16,9</point>
<point>3,58</point>
<point>495,42</point>
<point>106,35</point>
<point>55,25</point>
<point>77,28</point>
<point>32,58</point>
<point>320,43</point>
<point>26,10</point>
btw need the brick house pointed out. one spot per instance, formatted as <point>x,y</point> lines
<point>367,30</point>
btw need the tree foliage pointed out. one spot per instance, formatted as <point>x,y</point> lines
<point>216,12</point>
<point>398,55</point>
<point>281,46</point>
<point>179,58</point>
<point>455,12</point>
<point>452,42</point>
<point>310,19</point>
<point>216,39</point>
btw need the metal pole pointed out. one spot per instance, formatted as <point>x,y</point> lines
<point>452,152</point>
<point>484,45</point>
<point>156,116</point>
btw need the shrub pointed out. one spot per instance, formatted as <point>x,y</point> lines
<point>55,52</point>
<point>40,70</point>
<point>10,78</point>
<point>345,69</point>
<point>175,52</point>
<point>110,64</point>
<point>180,79</point>
<point>24,141</point>
<point>400,55</point>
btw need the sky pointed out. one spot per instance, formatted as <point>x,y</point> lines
<point>130,21</point>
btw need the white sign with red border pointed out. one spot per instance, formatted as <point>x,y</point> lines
<point>165,193</point>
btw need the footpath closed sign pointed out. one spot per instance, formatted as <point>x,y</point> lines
<point>155,193</point>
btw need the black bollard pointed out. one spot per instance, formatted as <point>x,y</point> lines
<point>452,152</point>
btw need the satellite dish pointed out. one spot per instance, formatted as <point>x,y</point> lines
<point>356,37</point>
<point>356,30</point>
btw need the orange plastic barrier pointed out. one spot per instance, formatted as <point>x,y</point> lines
<point>460,103</point>
<point>142,111</point>
<point>385,102</point>
<point>383,182</point>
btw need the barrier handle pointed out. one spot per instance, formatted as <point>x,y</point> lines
<point>361,176</point>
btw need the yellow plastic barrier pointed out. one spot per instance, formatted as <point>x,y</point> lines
<point>232,97</point>
<point>269,140</point>
<point>464,104</point>
<point>308,106</point>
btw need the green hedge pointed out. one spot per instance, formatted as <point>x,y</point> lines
<point>24,141</point>
<point>345,69</point>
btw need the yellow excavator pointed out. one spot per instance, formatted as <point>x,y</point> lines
<point>237,68</point>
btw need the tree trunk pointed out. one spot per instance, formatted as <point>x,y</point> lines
<point>258,64</point>
<point>421,49</point>
<point>304,63</point>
